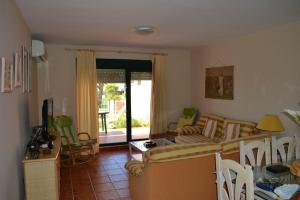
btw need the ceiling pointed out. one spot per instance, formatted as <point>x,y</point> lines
<point>178,23</point>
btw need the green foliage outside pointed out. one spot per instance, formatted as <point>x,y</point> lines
<point>111,92</point>
<point>121,122</point>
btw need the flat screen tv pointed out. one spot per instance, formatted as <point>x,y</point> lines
<point>47,118</point>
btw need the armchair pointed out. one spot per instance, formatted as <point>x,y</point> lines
<point>74,144</point>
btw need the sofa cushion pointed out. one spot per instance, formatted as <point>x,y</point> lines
<point>234,145</point>
<point>179,151</point>
<point>135,167</point>
<point>210,128</point>
<point>231,131</point>
<point>247,128</point>
<point>204,117</point>
<point>188,130</point>
<point>194,138</point>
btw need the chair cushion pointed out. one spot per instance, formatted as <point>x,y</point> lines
<point>232,131</point>
<point>210,128</point>
<point>187,118</point>
<point>64,125</point>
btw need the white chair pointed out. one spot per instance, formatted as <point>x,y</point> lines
<point>227,190</point>
<point>286,147</point>
<point>247,152</point>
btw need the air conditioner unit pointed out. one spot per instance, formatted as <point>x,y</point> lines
<point>39,51</point>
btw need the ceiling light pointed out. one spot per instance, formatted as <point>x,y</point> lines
<point>144,30</point>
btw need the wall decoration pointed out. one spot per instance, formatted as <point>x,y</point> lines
<point>24,69</point>
<point>17,69</point>
<point>28,65</point>
<point>219,82</point>
<point>6,75</point>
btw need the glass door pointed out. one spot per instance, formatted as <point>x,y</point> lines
<point>140,104</point>
<point>124,95</point>
<point>111,88</point>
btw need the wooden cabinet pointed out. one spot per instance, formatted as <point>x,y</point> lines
<point>42,175</point>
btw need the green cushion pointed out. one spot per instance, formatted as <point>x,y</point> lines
<point>64,125</point>
<point>188,117</point>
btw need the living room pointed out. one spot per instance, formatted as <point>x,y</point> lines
<point>261,41</point>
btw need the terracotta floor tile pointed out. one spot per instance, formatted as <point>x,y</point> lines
<point>119,177</point>
<point>83,189</point>
<point>110,167</point>
<point>120,184</point>
<point>102,187</point>
<point>124,198</point>
<point>109,195</point>
<point>104,177</point>
<point>114,171</point>
<point>123,192</point>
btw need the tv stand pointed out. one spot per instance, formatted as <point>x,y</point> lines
<point>42,175</point>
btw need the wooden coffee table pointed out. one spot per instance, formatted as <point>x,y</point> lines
<point>140,147</point>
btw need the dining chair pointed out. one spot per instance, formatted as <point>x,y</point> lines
<point>233,189</point>
<point>262,149</point>
<point>286,147</point>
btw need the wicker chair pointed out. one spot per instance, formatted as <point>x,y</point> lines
<point>74,148</point>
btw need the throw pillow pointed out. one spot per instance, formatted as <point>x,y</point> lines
<point>232,131</point>
<point>210,128</point>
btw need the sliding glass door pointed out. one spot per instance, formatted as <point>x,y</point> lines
<point>124,94</point>
<point>111,87</point>
<point>140,104</point>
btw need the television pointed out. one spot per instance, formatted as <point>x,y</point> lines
<point>47,118</point>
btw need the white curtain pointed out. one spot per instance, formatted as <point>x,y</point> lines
<point>86,94</point>
<point>158,113</point>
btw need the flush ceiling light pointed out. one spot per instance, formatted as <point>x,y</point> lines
<point>144,30</point>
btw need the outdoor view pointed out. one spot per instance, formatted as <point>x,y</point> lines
<point>112,106</point>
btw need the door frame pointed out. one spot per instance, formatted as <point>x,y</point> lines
<point>129,66</point>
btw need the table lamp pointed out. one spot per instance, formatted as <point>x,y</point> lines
<point>270,123</point>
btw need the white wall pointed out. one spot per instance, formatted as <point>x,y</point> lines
<point>15,112</point>
<point>266,74</point>
<point>61,65</point>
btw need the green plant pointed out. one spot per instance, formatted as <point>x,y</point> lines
<point>121,122</point>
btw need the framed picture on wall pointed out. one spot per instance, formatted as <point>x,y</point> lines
<point>17,66</point>
<point>219,82</point>
<point>24,68</point>
<point>28,64</point>
<point>6,75</point>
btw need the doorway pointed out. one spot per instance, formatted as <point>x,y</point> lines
<point>124,95</point>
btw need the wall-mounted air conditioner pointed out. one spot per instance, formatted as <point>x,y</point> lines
<point>39,51</point>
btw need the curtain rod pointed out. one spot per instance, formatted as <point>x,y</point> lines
<point>117,51</point>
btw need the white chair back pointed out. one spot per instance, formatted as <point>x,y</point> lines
<point>286,147</point>
<point>229,188</point>
<point>247,152</point>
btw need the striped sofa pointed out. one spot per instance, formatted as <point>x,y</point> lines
<point>193,134</point>
<point>181,171</point>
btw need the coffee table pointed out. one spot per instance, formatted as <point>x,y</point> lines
<point>140,147</point>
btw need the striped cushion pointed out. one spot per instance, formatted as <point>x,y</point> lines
<point>232,131</point>
<point>247,128</point>
<point>210,128</point>
<point>195,138</point>
<point>179,151</point>
<point>135,167</point>
<point>187,130</point>
<point>204,117</point>
<point>234,145</point>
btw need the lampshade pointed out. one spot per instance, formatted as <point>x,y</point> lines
<point>270,123</point>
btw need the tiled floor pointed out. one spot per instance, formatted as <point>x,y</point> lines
<point>104,178</point>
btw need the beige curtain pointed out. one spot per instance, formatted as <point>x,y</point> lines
<point>86,94</point>
<point>158,115</point>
